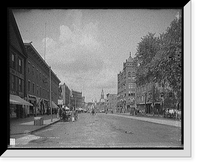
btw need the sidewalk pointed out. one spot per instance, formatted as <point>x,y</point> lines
<point>26,125</point>
<point>158,120</point>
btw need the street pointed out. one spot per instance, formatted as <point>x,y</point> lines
<point>103,131</point>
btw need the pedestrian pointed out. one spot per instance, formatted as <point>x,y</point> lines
<point>63,115</point>
<point>60,113</point>
<point>73,114</point>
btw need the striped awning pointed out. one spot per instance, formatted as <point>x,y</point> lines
<point>54,105</point>
<point>14,99</point>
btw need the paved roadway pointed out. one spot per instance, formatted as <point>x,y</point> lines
<point>103,131</point>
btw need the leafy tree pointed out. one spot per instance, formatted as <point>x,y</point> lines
<point>159,59</point>
<point>146,50</point>
<point>166,66</point>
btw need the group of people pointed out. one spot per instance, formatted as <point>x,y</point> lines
<point>67,115</point>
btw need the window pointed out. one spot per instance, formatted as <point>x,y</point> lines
<point>130,85</point>
<point>40,76</point>
<point>37,90</point>
<point>29,86</point>
<point>37,74</point>
<point>33,70</point>
<point>20,65</point>
<point>33,88</point>
<point>13,60</point>
<point>12,82</point>
<point>129,74</point>
<point>20,84</point>
<point>29,67</point>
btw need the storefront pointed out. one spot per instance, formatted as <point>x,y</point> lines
<point>32,99</point>
<point>46,106</point>
<point>17,106</point>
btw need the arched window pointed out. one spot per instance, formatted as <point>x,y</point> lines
<point>129,74</point>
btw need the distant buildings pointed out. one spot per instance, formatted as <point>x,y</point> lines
<point>111,102</point>
<point>70,98</point>
<point>126,86</point>
<point>64,94</point>
<point>77,100</point>
<point>101,104</point>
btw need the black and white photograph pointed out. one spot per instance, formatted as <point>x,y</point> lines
<point>96,79</point>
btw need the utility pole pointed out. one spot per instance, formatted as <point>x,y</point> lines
<point>50,93</point>
<point>45,41</point>
<point>69,98</point>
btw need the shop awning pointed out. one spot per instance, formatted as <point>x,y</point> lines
<point>14,99</point>
<point>54,105</point>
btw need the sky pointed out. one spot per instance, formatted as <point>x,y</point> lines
<point>86,48</point>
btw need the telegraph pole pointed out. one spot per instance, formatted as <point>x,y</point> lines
<point>69,98</point>
<point>50,93</point>
<point>45,41</point>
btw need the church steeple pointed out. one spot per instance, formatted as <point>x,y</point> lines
<point>102,94</point>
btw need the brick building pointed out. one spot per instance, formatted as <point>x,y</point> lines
<point>38,82</point>
<point>65,94</point>
<point>77,100</point>
<point>126,89</point>
<point>17,66</point>
<point>149,98</point>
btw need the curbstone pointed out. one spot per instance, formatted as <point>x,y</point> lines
<point>44,126</point>
<point>40,128</point>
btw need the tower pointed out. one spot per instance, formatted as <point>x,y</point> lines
<point>102,94</point>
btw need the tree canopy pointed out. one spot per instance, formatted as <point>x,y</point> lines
<point>159,59</point>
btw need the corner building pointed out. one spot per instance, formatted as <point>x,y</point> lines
<point>126,86</point>
<point>17,67</point>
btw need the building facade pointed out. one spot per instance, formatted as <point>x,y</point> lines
<point>150,98</point>
<point>126,87</point>
<point>77,99</point>
<point>17,66</point>
<point>65,94</point>
<point>111,102</point>
<point>38,82</point>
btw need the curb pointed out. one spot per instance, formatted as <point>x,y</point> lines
<point>146,119</point>
<point>42,127</point>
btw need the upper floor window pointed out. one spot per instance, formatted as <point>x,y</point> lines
<point>20,85</point>
<point>33,70</point>
<point>20,65</point>
<point>12,82</point>
<point>37,74</point>
<point>29,86</point>
<point>29,67</point>
<point>129,74</point>
<point>130,85</point>
<point>33,88</point>
<point>13,60</point>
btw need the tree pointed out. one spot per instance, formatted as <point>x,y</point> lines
<point>159,60</point>
<point>166,66</point>
<point>146,50</point>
